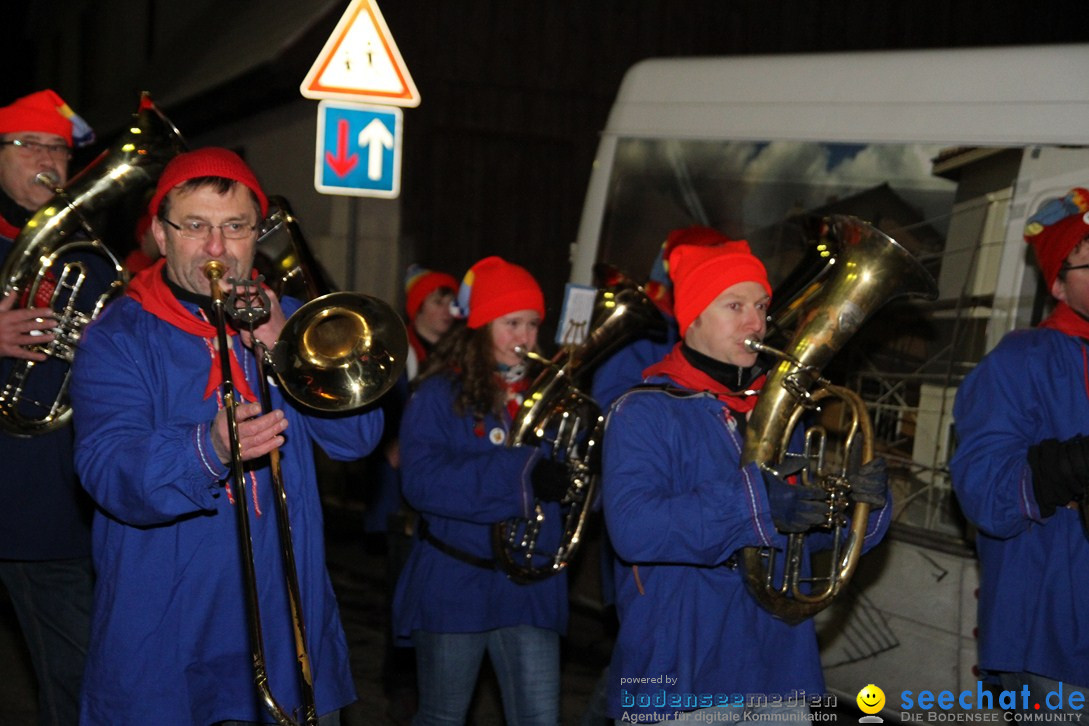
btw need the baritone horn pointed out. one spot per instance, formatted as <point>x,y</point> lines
<point>558,410</point>
<point>336,354</point>
<point>59,255</point>
<point>868,269</point>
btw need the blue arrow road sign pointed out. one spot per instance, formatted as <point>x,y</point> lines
<point>358,150</point>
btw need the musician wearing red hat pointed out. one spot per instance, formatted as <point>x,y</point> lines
<point>429,301</point>
<point>453,603</point>
<point>170,632</point>
<point>1021,471</point>
<point>45,543</point>
<point>679,506</point>
<point>624,368</point>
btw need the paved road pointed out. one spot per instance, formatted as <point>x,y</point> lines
<point>357,572</point>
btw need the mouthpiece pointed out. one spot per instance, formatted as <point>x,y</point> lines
<point>756,346</point>
<point>47,179</point>
<point>528,354</point>
<point>214,269</point>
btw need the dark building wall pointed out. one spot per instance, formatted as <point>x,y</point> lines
<point>497,156</point>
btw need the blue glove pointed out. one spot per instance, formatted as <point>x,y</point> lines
<point>870,484</point>
<point>795,508</point>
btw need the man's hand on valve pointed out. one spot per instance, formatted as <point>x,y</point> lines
<point>20,327</point>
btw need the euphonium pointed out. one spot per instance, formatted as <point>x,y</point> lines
<point>558,411</point>
<point>55,251</point>
<point>869,269</point>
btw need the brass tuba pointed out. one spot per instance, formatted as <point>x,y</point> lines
<point>869,269</point>
<point>558,410</point>
<point>57,249</point>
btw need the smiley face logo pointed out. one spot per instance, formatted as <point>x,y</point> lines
<point>871,699</point>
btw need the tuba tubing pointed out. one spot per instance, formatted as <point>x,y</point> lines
<point>870,269</point>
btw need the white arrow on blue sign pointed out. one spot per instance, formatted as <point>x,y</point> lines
<point>358,150</point>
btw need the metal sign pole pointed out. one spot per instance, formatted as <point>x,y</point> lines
<point>352,241</point>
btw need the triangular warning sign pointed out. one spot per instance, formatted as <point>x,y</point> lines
<point>360,62</point>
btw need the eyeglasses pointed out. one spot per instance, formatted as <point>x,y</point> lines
<point>203,230</point>
<point>30,148</point>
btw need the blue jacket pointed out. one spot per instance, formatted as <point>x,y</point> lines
<point>170,634</point>
<point>624,368</point>
<point>462,479</point>
<point>1034,594</point>
<point>39,484</point>
<point>678,505</point>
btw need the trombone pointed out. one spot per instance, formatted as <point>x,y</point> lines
<point>337,353</point>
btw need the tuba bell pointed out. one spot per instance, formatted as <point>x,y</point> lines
<point>867,270</point>
<point>557,410</point>
<point>59,249</point>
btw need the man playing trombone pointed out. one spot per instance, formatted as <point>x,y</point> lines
<point>155,448</point>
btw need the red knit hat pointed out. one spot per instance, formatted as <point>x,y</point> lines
<point>494,287</point>
<point>1056,228</point>
<point>210,161</point>
<point>41,111</point>
<point>700,274</point>
<point>421,282</point>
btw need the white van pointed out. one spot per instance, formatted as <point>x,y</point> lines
<point>946,151</point>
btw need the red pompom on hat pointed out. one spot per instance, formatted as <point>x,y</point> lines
<point>1056,229</point>
<point>41,111</point>
<point>211,161</point>
<point>700,274</point>
<point>421,282</point>
<point>494,287</point>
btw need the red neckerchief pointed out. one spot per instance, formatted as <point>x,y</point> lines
<point>149,289</point>
<point>7,229</point>
<point>677,367</point>
<point>1065,320</point>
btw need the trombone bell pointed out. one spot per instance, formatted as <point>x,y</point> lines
<point>340,352</point>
